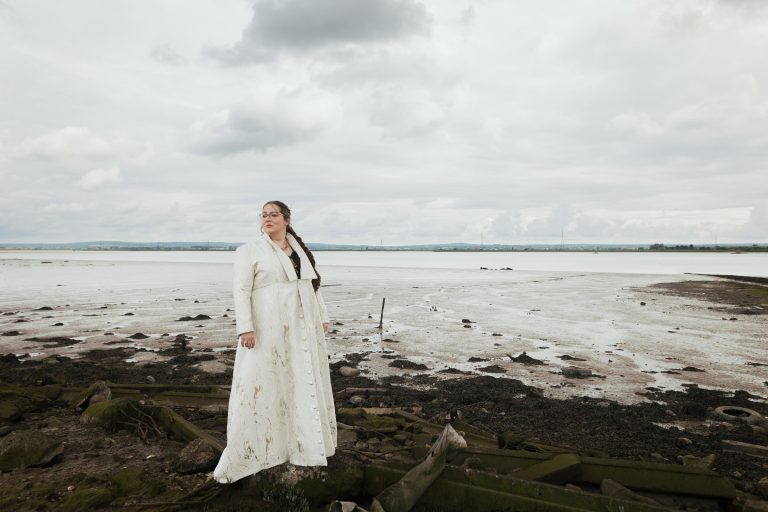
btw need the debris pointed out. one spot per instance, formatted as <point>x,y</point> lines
<point>750,449</point>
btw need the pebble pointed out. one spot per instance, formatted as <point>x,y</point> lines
<point>684,441</point>
<point>761,489</point>
<point>348,371</point>
<point>150,379</point>
<point>356,400</point>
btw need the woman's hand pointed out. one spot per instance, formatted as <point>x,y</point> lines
<point>325,327</point>
<point>248,339</point>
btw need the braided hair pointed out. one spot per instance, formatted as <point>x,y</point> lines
<point>286,212</point>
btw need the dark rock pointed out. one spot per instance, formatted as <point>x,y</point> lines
<point>12,333</point>
<point>196,457</point>
<point>407,365</point>
<point>474,359</point>
<point>526,359</point>
<point>44,308</point>
<point>24,448</point>
<point>193,318</point>
<point>570,358</point>
<point>138,336</point>
<point>691,369</point>
<point>128,314</point>
<point>493,369</point>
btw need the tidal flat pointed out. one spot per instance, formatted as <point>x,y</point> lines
<point>626,365</point>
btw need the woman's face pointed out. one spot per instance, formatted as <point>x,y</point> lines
<point>272,221</point>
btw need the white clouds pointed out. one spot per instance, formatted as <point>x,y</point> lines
<point>265,121</point>
<point>279,26</point>
<point>422,122</point>
<point>71,141</point>
<point>98,178</point>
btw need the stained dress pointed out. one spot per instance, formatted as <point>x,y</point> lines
<point>281,401</point>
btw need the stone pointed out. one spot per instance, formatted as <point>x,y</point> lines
<point>348,371</point>
<point>197,457</point>
<point>761,488</point>
<point>698,462</point>
<point>24,448</point>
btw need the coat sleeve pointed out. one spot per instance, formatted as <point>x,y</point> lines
<point>242,286</point>
<point>324,318</point>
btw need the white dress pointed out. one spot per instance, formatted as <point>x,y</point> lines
<point>281,402</point>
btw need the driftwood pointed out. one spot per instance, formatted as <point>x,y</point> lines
<point>402,496</point>
<point>146,419</point>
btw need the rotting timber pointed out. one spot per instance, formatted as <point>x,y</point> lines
<point>522,476</point>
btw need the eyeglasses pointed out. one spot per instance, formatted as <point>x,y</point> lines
<point>270,215</point>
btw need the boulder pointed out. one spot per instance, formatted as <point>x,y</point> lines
<point>24,448</point>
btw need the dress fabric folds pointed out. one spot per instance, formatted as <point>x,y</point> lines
<point>281,401</point>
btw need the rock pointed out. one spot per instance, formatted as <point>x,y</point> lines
<point>356,400</point>
<point>407,365</point>
<point>684,441</point>
<point>196,457</point>
<point>614,489</point>
<point>658,456</point>
<point>761,488</point>
<point>566,357</point>
<point>348,371</point>
<point>642,303</point>
<point>150,379</point>
<point>692,369</point>
<point>467,321</point>
<point>24,448</point>
<point>93,498</point>
<point>493,369</point>
<point>96,392</point>
<point>698,462</point>
<point>138,336</point>
<point>526,359</point>
<point>477,359</point>
<point>12,333</point>
<point>496,334</point>
<point>574,372</point>
<point>193,318</point>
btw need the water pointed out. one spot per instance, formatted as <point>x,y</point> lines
<point>749,264</point>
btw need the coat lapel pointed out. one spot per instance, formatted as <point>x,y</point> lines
<point>307,272</point>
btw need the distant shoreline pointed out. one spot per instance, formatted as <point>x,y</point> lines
<point>730,250</point>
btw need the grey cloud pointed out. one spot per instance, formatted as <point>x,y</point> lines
<point>300,25</point>
<point>264,123</point>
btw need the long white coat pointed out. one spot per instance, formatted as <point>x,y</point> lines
<point>281,402</point>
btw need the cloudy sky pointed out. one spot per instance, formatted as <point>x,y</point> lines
<point>397,121</point>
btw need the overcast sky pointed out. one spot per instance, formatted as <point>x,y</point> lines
<point>390,121</point>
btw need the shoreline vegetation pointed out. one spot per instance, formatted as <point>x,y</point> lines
<point>452,247</point>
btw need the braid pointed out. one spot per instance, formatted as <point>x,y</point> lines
<point>286,213</point>
<point>315,282</point>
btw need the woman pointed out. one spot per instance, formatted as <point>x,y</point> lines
<point>281,403</point>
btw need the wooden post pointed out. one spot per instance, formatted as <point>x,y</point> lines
<point>381,318</point>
